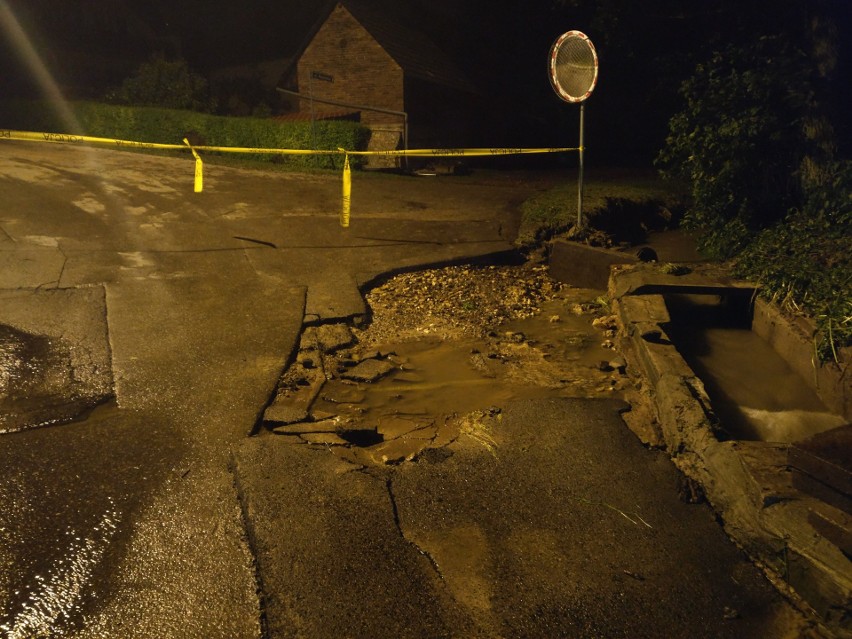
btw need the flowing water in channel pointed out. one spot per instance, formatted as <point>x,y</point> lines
<point>754,392</point>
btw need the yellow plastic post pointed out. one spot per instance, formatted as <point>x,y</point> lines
<point>346,204</point>
<point>199,174</point>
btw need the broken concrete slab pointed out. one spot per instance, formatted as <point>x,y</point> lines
<point>333,337</point>
<point>337,393</point>
<point>370,370</point>
<point>835,526</point>
<point>648,279</point>
<point>826,493</point>
<point>393,426</point>
<point>307,427</point>
<point>643,308</point>
<point>285,414</point>
<point>296,392</point>
<point>826,458</point>
<point>324,439</point>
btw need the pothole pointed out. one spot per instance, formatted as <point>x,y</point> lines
<point>362,438</point>
<point>446,349</point>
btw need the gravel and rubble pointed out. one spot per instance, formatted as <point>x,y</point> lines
<point>458,301</point>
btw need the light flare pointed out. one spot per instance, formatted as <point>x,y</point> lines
<point>33,62</point>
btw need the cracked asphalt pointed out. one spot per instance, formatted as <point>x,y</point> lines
<point>158,515</point>
<point>569,528</point>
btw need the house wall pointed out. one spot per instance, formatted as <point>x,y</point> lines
<point>361,71</point>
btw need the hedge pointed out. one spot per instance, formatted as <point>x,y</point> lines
<point>170,126</point>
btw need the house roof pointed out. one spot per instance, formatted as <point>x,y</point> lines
<point>417,55</point>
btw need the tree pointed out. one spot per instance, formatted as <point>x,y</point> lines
<point>755,136</point>
<point>739,142</point>
<point>164,83</point>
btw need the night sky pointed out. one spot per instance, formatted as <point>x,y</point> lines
<point>646,49</point>
<point>211,33</point>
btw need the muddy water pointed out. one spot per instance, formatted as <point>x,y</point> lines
<point>755,394</point>
<point>441,389</point>
<point>39,385</point>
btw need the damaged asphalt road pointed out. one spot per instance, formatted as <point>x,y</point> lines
<point>130,520</point>
<point>158,516</point>
<point>569,527</point>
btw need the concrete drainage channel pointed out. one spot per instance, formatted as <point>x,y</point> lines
<point>787,504</point>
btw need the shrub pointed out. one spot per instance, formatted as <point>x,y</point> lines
<point>805,262</point>
<point>739,141</point>
<point>170,126</point>
<point>164,83</point>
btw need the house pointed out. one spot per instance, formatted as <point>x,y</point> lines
<point>363,58</point>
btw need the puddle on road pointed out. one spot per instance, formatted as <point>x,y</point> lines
<point>38,383</point>
<point>439,390</point>
<point>755,393</point>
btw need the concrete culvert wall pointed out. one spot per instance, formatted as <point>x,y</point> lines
<point>771,496</point>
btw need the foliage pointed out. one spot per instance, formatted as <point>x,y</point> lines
<point>170,126</point>
<point>739,141</point>
<point>805,262</point>
<point>164,83</point>
<point>243,96</point>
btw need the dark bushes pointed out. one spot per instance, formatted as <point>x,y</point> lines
<point>170,126</point>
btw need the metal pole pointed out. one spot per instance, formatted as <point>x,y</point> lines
<point>580,177</point>
<point>405,139</point>
<point>313,133</point>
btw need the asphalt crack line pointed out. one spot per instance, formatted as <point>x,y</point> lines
<point>251,542</point>
<point>422,551</point>
<point>11,239</point>
<point>64,264</point>
<point>255,241</point>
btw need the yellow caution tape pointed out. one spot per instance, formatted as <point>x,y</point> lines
<point>65,138</point>
<point>346,204</point>
<point>85,139</point>
<point>463,152</point>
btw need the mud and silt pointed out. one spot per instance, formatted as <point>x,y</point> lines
<point>444,351</point>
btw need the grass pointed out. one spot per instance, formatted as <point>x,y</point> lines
<point>555,211</point>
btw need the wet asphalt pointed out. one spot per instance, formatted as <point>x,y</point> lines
<point>158,516</point>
